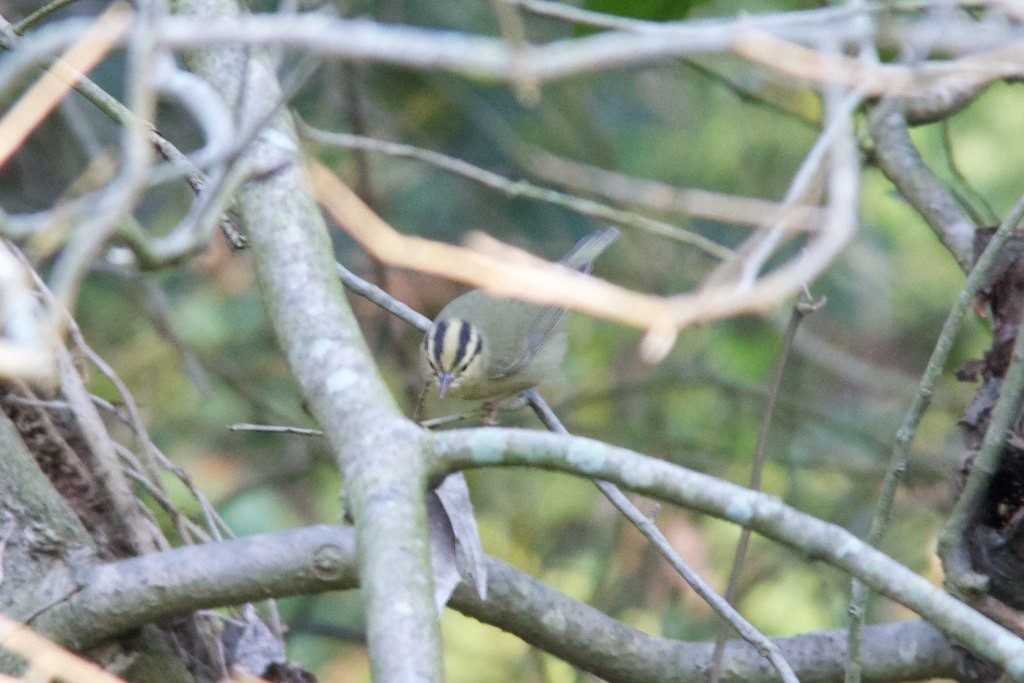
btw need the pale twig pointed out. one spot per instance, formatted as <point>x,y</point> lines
<point>660,196</point>
<point>47,658</point>
<point>522,188</point>
<point>747,95</point>
<point>105,465</point>
<point>483,56</point>
<point>741,291</point>
<point>890,80</point>
<point>188,531</point>
<point>27,346</point>
<point>776,41</point>
<point>806,186</point>
<point>171,81</point>
<point>373,293</point>
<point>48,91</point>
<point>274,429</point>
<point>505,271</point>
<point>155,460</point>
<point>119,197</point>
<point>513,30</point>
<point>219,190</point>
<point>183,525</point>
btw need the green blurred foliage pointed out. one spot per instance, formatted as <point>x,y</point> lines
<point>653,10</point>
<point>194,345</point>
<point>650,10</point>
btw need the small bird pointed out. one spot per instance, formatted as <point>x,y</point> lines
<point>485,348</point>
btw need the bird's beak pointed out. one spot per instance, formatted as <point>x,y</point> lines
<point>446,381</point>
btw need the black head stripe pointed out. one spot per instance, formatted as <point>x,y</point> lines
<point>474,351</point>
<point>465,334</point>
<point>438,342</point>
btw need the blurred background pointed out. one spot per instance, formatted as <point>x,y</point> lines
<point>193,343</point>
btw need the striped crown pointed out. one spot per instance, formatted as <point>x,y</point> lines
<point>450,347</point>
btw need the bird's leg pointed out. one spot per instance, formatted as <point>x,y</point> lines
<point>491,408</point>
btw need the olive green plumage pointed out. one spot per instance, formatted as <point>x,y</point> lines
<point>482,347</point>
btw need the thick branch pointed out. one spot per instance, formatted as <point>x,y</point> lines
<point>120,596</point>
<point>763,513</point>
<point>42,539</point>
<point>378,451</point>
<point>608,648</point>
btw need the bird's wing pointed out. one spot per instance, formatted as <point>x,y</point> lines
<point>544,324</point>
<point>549,319</point>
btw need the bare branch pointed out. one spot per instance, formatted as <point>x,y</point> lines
<point>899,160</point>
<point>762,513</point>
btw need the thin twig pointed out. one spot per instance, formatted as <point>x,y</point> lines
<point>21,119</point>
<point>182,524</point>
<point>657,539</point>
<point>800,310</point>
<point>520,188</point>
<point>513,30</point>
<point>661,196</point>
<point>155,460</point>
<point>40,14</point>
<point>908,428</point>
<point>123,115</point>
<point>274,429</point>
<point>119,197</point>
<point>104,463</point>
<point>507,272</point>
<point>376,295</point>
<point>965,190</point>
<point>746,95</point>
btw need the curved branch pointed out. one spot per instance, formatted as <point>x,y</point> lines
<point>590,639</point>
<point>899,160</point>
<point>763,513</point>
